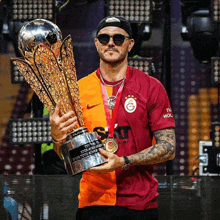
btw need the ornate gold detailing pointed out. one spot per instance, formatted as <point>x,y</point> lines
<point>51,73</point>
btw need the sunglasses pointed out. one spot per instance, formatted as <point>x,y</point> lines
<point>118,39</point>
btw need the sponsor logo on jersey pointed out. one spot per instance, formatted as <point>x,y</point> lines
<point>168,116</point>
<point>169,113</point>
<point>121,132</point>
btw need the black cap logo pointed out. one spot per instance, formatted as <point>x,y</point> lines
<point>111,20</point>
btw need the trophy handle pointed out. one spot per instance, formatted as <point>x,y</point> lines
<point>36,83</point>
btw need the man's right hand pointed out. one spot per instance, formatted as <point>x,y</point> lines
<point>60,125</point>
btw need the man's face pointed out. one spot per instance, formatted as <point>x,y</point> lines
<point>110,52</point>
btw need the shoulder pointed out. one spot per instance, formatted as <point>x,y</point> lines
<point>88,82</point>
<point>92,76</point>
<point>142,79</point>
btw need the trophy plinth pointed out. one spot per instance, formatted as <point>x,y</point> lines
<point>49,67</point>
<point>81,151</point>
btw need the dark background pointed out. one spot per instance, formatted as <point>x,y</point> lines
<point>189,80</point>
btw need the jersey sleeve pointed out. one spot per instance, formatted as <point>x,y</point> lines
<point>160,112</point>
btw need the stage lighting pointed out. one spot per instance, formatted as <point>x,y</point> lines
<point>29,131</point>
<point>144,64</point>
<point>16,76</point>
<point>202,37</point>
<point>199,29</point>
<point>215,70</point>
<point>135,11</point>
<point>27,10</point>
<point>215,8</point>
<point>216,134</point>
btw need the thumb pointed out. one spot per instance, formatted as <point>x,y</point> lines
<point>104,152</point>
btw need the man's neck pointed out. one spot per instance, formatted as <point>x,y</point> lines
<point>113,73</point>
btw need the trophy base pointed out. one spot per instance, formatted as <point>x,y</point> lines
<point>81,151</point>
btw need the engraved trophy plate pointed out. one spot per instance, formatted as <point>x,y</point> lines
<point>81,152</point>
<point>49,67</point>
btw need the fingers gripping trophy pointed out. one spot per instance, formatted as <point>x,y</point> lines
<point>49,67</point>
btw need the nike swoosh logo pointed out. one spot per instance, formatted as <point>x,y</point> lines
<point>92,106</point>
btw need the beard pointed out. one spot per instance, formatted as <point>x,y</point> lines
<point>113,60</point>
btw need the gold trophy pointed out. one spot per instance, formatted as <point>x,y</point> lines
<point>49,67</point>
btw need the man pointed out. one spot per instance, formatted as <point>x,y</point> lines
<point>127,108</point>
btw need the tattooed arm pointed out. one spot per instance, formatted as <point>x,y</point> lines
<point>163,150</point>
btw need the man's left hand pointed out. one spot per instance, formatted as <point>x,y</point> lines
<point>112,162</point>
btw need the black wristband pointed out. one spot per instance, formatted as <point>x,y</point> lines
<point>127,163</point>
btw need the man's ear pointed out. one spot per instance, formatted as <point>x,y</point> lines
<point>96,43</point>
<point>131,44</point>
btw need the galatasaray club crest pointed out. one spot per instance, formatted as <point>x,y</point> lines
<point>130,104</point>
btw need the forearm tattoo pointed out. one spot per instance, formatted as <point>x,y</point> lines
<point>163,150</point>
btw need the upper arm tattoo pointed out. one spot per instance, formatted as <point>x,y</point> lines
<point>163,150</point>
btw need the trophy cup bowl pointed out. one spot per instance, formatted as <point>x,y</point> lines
<point>49,67</point>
